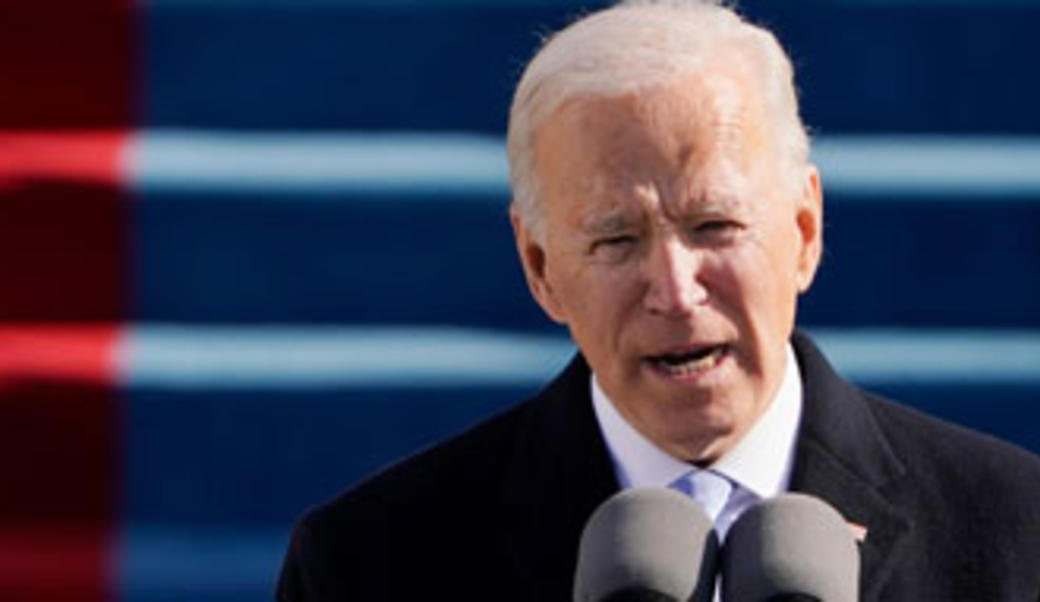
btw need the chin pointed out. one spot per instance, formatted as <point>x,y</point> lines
<point>697,423</point>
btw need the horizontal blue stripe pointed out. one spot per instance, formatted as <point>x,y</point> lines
<point>300,357</point>
<point>463,166</point>
<point>206,162</point>
<point>197,564</point>
<point>880,355</point>
<point>247,357</point>
<point>944,167</point>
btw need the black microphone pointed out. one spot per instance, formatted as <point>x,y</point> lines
<point>790,548</point>
<point>647,544</point>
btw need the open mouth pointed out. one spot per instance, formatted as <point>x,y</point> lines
<point>689,362</point>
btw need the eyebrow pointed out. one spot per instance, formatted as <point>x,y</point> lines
<point>606,223</point>
<point>715,200</point>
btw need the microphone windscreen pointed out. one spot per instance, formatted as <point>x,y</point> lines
<point>647,544</point>
<point>791,547</point>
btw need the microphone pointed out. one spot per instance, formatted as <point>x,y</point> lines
<point>793,547</point>
<point>647,544</point>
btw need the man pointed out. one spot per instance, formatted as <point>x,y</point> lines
<point>666,212</point>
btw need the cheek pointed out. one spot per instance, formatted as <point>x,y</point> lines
<point>748,285</point>
<point>599,301</point>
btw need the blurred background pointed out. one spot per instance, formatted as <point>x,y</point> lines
<point>252,250</point>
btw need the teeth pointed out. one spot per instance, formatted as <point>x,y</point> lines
<point>692,365</point>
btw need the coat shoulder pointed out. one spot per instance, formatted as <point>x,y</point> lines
<point>974,496</point>
<point>460,466</point>
<point>351,546</point>
<point>971,458</point>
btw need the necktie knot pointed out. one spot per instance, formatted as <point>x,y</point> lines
<point>708,488</point>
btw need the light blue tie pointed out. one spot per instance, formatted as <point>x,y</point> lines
<point>708,488</point>
<point>711,490</point>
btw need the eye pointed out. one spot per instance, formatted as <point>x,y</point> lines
<point>716,225</point>
<point>613,248</point>
<point>717,231</point>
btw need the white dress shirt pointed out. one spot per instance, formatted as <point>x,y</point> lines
<point>758,466</point>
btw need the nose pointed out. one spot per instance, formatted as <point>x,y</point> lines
<point>673,285</point>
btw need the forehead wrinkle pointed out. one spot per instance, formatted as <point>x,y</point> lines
<point>717,189</point>
<point>734,107</point>
<point>706,126</point>
<point>624,207</point>
<point>626,194</point>
<point>727,109</point>
<point>716,177</point>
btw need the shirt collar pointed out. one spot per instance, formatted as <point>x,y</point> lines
<point>760,462</point>
<point>637,461</point>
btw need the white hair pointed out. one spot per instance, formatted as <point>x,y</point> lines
<point>635,45</point>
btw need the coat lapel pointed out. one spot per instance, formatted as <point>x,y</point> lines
<point>843,457</point>
<point>560,471</point>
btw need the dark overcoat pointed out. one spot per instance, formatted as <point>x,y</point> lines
<point>495,513</point>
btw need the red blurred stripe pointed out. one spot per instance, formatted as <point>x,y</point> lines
<point>91,157</point>
<point>60,500</point>
<point>50,564</point>
<point>71,354</point>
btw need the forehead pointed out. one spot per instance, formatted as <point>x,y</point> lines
<point>701,140</point>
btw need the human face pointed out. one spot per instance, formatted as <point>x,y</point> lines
<point>676,242</point>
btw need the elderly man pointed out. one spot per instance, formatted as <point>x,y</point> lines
<point>666,212</point>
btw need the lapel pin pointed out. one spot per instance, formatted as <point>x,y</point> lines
<point>859,532</point>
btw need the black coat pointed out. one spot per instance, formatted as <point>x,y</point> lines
<point>495,514</point>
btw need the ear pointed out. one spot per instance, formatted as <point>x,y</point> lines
<point>533,258</point>
<point>809,218</point>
